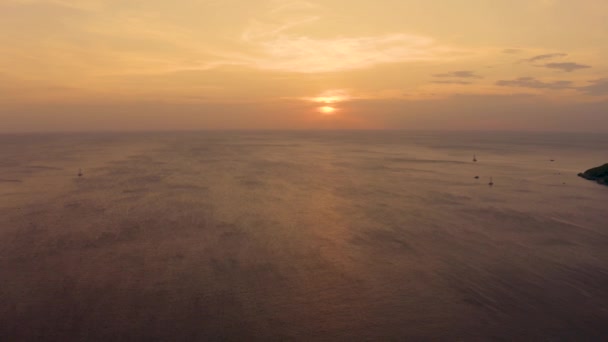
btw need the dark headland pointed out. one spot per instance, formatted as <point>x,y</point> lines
<point>598,174</point>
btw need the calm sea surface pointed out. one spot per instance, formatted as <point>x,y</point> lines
<point>302,236</point>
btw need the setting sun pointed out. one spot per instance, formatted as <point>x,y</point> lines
<point>327,110</point>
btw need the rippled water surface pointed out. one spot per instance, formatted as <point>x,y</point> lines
<point>302,236</point>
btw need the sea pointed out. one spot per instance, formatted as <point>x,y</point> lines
<point>303,236</point>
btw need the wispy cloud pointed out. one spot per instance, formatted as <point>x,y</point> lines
<point>305,54</point>
<point>531,82</point>
<point>75,4</point>
<point>279,48</point>
<point>512,51</point>
<point>597,87</point>
<point>546,3</point>
<point>544,57</point>
<point>332,96</point>
<point>292,5</point>
<point>452,82</point>
<point>278,20</point>
<point>278,35</point>
<point>563,66</point>
<point>567,66</point>
<point>459,74</point>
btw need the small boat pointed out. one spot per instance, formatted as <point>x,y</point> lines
<point>474,158</point>
<point>80,173</point>
<point>491,182</point>
<point>476,177</point>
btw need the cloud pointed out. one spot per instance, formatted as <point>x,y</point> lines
<point>259,30</point>
<point>547,3</point>
<point>452,82</point>
<point>486,112</point>
<point>289,5</point>
<point>459,74</point>
<point>597,88</point>
<point>564,66</point>
<point>531,82</point>
<point>332,96</point>
<point>272,35</point>
<point>512,51</point>
<point>544,57</point>
<point>567,67</point>
<point>309,55</point>
<point>85,5</point>
<point>279,48</point>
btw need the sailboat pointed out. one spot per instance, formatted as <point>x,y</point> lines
<point>491,182</point>
<point>474,158</point>
<point>80,173</point>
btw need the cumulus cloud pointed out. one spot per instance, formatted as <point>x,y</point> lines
<point>459,74</point>
<point>567,67</point>
<point>596,88</point>
<point>531,82</point>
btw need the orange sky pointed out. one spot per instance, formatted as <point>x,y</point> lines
<point>278,64</point>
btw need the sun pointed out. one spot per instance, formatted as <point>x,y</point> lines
<point>327,110</point>
<point>329,101</point>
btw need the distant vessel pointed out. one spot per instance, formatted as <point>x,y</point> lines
<point>474,158</point>
<point>80,173</point>
<point>491,182</point>
<point>476,177</point>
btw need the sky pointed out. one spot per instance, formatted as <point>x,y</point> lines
<point>81,65</point>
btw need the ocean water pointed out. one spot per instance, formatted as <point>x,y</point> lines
<point>302,236</point>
